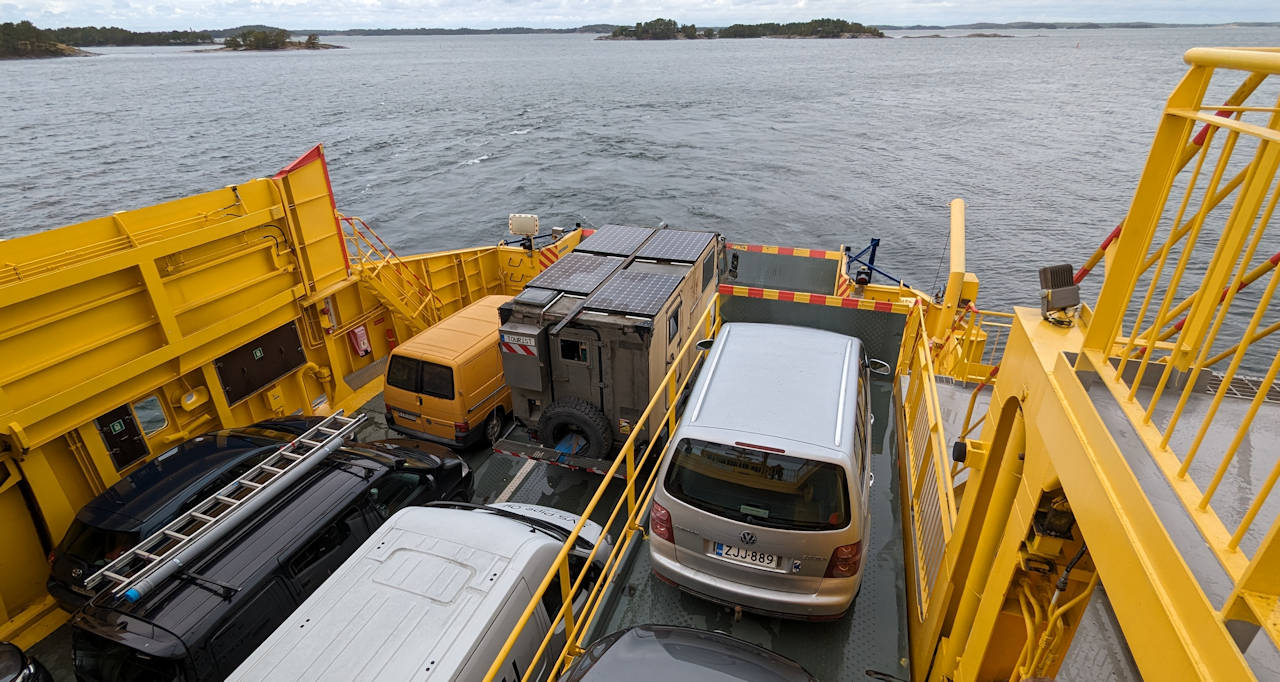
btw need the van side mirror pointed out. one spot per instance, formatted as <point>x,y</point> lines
<point>705,344</point>
<point>879,367</point>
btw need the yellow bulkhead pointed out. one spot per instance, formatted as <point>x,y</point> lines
<point>123,336</point>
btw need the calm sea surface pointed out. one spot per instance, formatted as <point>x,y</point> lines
<point>435,140</point>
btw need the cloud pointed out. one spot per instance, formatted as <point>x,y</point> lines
<point>339,14</point>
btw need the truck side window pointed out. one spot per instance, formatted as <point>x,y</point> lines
<point>708,269</point>
<point>571,349</point>
<point>673,323</point>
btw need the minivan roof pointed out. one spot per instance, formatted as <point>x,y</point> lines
<point>809,377</point>
<point>457,334</point>
<point>407,602</point>
<point>190,608</point>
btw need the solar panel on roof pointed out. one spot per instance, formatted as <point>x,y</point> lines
<point>634,293</point>
<point>577,273</point>
<point>534,296</point>
<point>678,245</point>
<point>617,240</point>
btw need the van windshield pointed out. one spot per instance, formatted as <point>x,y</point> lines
<point>760,488</point>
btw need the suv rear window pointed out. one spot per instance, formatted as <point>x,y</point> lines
<point>760,488</point>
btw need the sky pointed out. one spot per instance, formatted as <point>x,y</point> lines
<point>155,15</point>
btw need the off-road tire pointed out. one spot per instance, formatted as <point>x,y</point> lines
<point>581,416</point>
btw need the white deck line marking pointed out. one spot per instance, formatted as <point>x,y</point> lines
<point>522,474</point>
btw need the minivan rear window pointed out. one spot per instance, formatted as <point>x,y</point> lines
<point>760,488</point>
<point>437,380</point>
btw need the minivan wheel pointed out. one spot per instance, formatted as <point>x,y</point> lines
<point>493,425</point>
<point>576,416</point>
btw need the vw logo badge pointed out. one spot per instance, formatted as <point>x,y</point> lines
<point>77,572</point>
<point>748,538</point>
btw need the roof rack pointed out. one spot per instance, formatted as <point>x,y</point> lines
<point>149,563</point>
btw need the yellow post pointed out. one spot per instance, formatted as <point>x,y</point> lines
<point>992,523</point>
<point>943,317</point>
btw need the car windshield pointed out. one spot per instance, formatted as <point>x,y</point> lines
<point>95,546</point>
<point>101,659</point>
<point>760,488</point>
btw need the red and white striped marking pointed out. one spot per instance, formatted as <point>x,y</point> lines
<point>516,348</point>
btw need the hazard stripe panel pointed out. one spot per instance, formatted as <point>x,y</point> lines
<point>547,256</point>
<point>786,251</point>
<point>900,308</point>
<point>516,348</point>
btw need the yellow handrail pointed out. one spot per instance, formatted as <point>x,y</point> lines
<point>575,628</point>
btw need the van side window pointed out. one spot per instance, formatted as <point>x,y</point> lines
<point>860,432</point>
<point>673,323</point>
<point>395,491</point>
<point>250,626</point>
<point>402,373</point>
<point>320,557</point>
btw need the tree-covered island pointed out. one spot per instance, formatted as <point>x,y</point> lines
<point>268,38</point>
<point>24,39</point>
<point>668,29</point>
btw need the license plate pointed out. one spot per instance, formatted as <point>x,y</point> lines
<point>406,416</point>
<point>742,555</point>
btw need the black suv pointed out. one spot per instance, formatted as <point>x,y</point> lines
<point>203,622</point>
<point>148,499</point>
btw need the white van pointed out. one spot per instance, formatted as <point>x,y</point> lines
<point>433,595</point>
<point>762,495</point>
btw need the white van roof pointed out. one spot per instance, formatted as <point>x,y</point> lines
<point>793,383</point>
<point>410,604</point>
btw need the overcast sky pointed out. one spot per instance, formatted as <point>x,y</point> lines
<point>143,15</point>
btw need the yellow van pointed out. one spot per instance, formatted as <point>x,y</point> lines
<point>446,384</point>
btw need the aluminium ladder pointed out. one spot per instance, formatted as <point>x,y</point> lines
<point>151,561</point>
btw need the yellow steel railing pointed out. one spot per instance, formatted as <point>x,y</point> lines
<point>1177,304</point>
<point>928,487</point>
<point>641,472</point>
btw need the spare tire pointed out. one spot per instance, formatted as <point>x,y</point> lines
<point>575,415</point>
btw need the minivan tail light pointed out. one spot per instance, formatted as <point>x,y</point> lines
<point>845,561</point>
<point>461,427</point>
<point>660,523</point>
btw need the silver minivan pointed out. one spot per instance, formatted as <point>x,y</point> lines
<point>762,501</point>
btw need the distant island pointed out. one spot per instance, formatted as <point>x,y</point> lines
<point>1041,25</point>
<point>269,38</point>
<point>24,39</point>
<point>669,29</point>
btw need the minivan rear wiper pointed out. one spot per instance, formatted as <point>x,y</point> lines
<point>558,532</point>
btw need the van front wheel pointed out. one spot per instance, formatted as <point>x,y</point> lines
<point>576,417</point>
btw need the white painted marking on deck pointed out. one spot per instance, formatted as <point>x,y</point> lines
<point>522,474</point>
